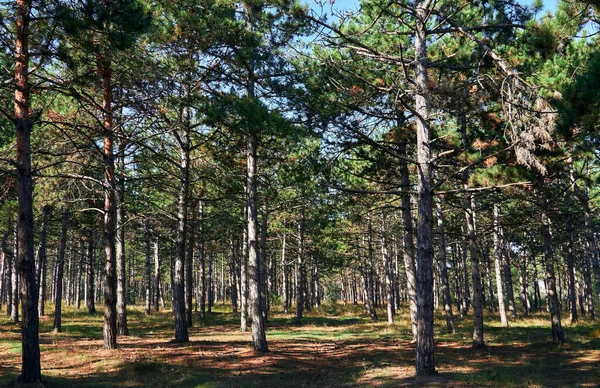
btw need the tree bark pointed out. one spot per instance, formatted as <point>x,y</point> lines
<point>120,245</point>
<point>30,367</point>
<point>90,302</point>
<point>60,263</point>
<point>42,261</point>
<point>147,272</point>
<point>425,363</point>
<point>157,290</point>
<point>299,268</point>
<point>233,275</point>
<point>447,299</point>
<point>202,257</point>
<point>476,275</point>
<point>388,275</point>
<point>497,263</point>
<point>259,338</point>
<point>284,273</point>
<point>553,304</point>
<point>369,273</point>
<point>188,267</point>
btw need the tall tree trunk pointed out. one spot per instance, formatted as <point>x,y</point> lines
<point>233,275</point>
<point>476,275</point>
<point>202,257</point>
<point>30,367</point>
<point>60,263</point>
<point>157,290</point>
<point>488,277</point>
<point>388,275</point>
<point>104,66</point>
<point>553,305</point>
<point>120,244</point>
<point>370,274</point>
<point>147,273</point>
<point>188,267</point>
<point>407,238</point>
<point>263,286</point>
<point>498,263</point>
<point>510,295</point>
<point>90,302</point>
<point>79,273</point>
<point>299,268</point>
<point>14,310</point>
<point>425,363</point>
<point>259,338</point>
<point>42,261</point>
<point>447,299</point>
<point>244,267</point>
<point>284,274</point>
<point>181,327</point>
<point>524,278</point>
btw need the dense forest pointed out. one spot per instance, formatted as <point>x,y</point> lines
<point>432,164</point>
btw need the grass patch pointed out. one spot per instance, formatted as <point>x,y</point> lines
<point>334,345</point>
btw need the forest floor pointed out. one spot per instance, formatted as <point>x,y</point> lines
<point>334,346</point>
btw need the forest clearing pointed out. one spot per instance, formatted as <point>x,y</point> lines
<point>288,193</point>
<point>335,346</point>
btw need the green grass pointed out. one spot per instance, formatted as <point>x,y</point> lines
<point>333,346</point>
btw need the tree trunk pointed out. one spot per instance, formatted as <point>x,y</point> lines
<point>90,302</point>
<point>299,268</point>
<point>120,245</point>
<point>388,275</point>
<point>147,273</point>
<point>188,267</point>
<point>284,273</point>
<point>369,273</point>
<point>264,291</point>
<point>510,296</point>
<point>14,310</point>
<point>30,367</point>
<point>42,261</point>
<point>157,291</point>
<point>407,238</point>
<point>497,263</point>
<point>79,273</point>
<point>233,275</point>
<point>553,305</point>
<point>104,67</point>
<point>447,299</point>
<point>254,260</point>
<point>476,275</point>
<point>202,258</point>
<point>60,263</point>
<point>425,363</point>
<point>244,267</point>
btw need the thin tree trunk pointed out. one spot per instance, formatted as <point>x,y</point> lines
<point>60,263</point>
<point>233,275</point>
<point>387,269</point>
<point>447,299</point>
<point>188,267</point>
<point>14,310</point>
<point>90,302</point>
<point>476,275</point>
<point>407,238</point>
<point>284,273</point>
<point>120,245</point>
<point>299,268</point>
<point>104,66</point>
<point>244,267</point>
<point>79,273</point>
<point>157,290</point>
<point>147,272</point>
<point>498,263</point>
<point>202,257</point>
<point>42,260</point>
<point>557,331</point>
<point>263,286</point>
<point>510,296</point>
<point>369,273</point>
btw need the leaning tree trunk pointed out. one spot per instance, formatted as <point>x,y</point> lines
<point>42,261</point>
<point>425,363</point>
<point>447,299</point>
<point>60,264</point>
<point>476,275</point>
<point>30,367</point>
<point>120,245</point>
<point>553,305</point>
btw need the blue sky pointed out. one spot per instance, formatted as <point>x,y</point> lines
<point>549,5</point>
